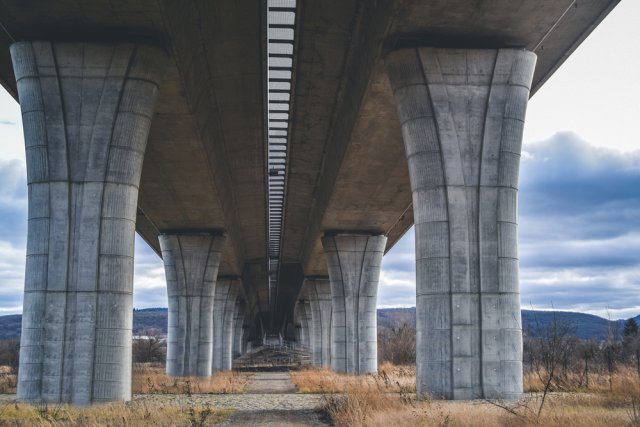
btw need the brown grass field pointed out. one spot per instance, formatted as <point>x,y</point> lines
<point>150,379</point>
<point>147,379</point>
<point>388,399</point>
<point>113,414</point>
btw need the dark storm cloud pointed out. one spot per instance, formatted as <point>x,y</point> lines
<point>579,225</point>
<point>579,205</point>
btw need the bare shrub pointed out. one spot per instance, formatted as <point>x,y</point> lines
<point>150,347</point>
<point>397,345</point>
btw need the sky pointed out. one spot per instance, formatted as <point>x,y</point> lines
<point>579,207</point>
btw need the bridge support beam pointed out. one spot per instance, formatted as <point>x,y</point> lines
<point>191,265</point>
<point>318,292</point>
<point>354,261</point>
<point>302,314</point>
<point>462,115</point>
<point>86,111</point>
<point>238,329</point>
<point>224,312</point>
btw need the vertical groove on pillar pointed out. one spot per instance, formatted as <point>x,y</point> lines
<point>223,315</point>
<point>191,266</point>
<point>354,270</point>
<point>315,296</point>
<point>458,108</point>
<point>84,144</point>
<point>238,328</point>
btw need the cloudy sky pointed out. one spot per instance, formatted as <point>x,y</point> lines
<point>579,191</point>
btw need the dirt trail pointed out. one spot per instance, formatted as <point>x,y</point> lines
<point>270,400</point>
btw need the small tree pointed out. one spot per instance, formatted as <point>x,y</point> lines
<point>10,353</point>
<point>631,343</point>
<point>630,329</point>
<point>588,350</point>
<point>553,345</point>
<point>612,349</point>
<point>150,346</point>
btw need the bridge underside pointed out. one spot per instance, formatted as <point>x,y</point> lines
<point>355,172</point>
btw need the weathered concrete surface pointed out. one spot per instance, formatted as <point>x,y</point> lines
<point>318,292</point>
<point>239,329</point>
<point>191,266</point>
<point>303,318</point>
<point>227,291</point>
<point>86,111</point>
<point>462,114</point>
<point>354,261</point>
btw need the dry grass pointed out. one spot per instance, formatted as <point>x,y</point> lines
<point>151,379</point>
<point>120,414</point>
<point>390,378</point>
<point>8,380</point>
<point>374,405</point>
<point>147,378</point>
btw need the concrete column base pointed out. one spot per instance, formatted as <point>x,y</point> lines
<point>86,110</point>
<point>354,270</point>
<point>462,116</point>
<point>191,265</point>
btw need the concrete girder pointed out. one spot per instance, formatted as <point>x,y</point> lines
<point>191,263</point>
<point>462,116</point>
<point>354,262</point>
<point>86,110</point>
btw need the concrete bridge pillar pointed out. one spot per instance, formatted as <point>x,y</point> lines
<point>86,111</point>
<point>227,290</point>
<point>354,261</point>
<point>318,291</point>
<point>302,314</point>
<point>191,265</point>
<point>462,115</point>
<point>238,329</point>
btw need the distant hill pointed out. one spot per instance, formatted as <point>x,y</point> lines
<point>585,326</point>
<point>10,326</point>
<point>149,318</point>
<point>534,322</point>
<point>390,318</point>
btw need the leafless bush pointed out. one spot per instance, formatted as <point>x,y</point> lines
<point>150,347</point>
<point>397,345</point>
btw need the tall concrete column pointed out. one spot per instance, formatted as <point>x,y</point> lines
<point>318,291</point>
<point>227,290</point>
<point>238,329</point>
<point>303,316</point>
<point>86,111</point>
<point>354,270</point>
<point>462,114</point>
<point>191,265</point>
